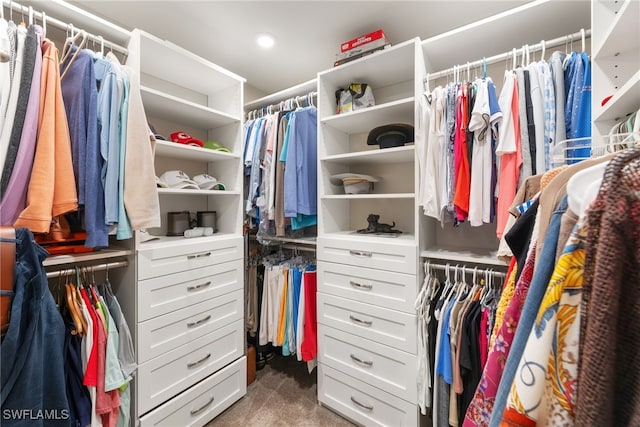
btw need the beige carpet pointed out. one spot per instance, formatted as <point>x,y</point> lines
<point>283,394</point>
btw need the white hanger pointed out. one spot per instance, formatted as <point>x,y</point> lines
<point>544,48</point>
<point>30,15</point>
<point>582,37</point>
<point>44,24</point>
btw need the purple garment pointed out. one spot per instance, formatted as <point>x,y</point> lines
<point>15,199</point>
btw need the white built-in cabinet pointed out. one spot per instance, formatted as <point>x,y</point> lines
<point>188,302</point>
<point>367,284</point>
<point>615,63</point>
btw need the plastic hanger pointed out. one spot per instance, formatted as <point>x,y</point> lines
<point>484,67</point>
<point>544,48</point>
<point>582,38</point>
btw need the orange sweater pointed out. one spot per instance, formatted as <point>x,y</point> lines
<point>52,187</point>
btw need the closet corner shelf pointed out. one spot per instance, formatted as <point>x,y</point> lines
<point>188,152</point>
<point>104,254</point>
<point>163,105</point>
<point>189,192</point>
<point>486,257</point>
<point>386,155</point>
<point>366,119</point>
<point>369,196</point>
<point>623,33</point>
<point>163,242</point>
<point>624,101</point>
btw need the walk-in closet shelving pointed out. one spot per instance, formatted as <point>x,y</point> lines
<point>615,62</point>
<point>486,38</point>
<point>367,283</point>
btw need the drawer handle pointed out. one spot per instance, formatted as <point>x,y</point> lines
<point>197,322</point>
<point>362,362</point>
<point>203,407</point>
<point>360,285</point>
<point>199,255</point>
<point>202,285</point>
<point>362,405</point>
<point>192,364</point>
<point>361,253</point>
<point>363,322</point>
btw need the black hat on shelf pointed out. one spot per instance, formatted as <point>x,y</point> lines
<point>391,135</point>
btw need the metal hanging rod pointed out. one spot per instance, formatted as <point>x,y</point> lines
<point>467,270</point>
<point>46,20</point>
<point>97,267</point>
<point>285,104</point>
<point>526,49</point>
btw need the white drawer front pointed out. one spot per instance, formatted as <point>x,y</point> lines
<point>164,333</point>
<point>391,370</point>
<point>390,327</point>
<point>361,402</point>
<point>388,256</point>
<point>186,255</point>
<point>161,378</point>
<point>172,292</point>
<point>204,401</point>
<point>386,289</point>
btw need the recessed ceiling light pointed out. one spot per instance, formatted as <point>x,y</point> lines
<point>265,41</point>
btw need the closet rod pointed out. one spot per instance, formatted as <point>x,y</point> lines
<point>24,10</point>
<point>299,248</point>
<point>274,108</point>
<point>467,270</point>
<point>97,267</point>
<point>508,55</point>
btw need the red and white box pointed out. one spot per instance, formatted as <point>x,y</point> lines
<point>362,40</point>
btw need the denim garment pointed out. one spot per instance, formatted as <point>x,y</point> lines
<point>538,286</point>
<point>32,366</point>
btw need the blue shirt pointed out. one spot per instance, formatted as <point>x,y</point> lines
<point>80,97</point>
<point>443,367</point>
<point>124,225</point>
<point>108,124</point>
<point>300,174</point>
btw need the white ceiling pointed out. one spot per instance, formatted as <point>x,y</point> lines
<point>308,33</point>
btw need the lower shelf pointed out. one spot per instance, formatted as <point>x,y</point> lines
<point>204,401</point>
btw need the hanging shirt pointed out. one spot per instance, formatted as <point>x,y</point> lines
<point>122,82</point>
<point>80,101</point>
<point>18,182</point>
<point>463,175</point>
<point>300,174</point>
<point>140,190</point>
<point>508,150</point>
<point>52,185</point>
<point>479,192</point>
<point>108,124</point>
<point>32,64</point>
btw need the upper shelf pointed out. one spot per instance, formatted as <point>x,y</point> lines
<point>385,155</point>
<point>383,68</point>
<point>160,104</point>
<point>170,62</point>
<point>188,152</point>
<point>623,32</point>
<point>400,111</point>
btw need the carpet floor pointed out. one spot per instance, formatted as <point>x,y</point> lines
<point>283,394</point>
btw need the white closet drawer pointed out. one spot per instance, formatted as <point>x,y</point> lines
<point>387,289</point>
<point>362,402</point>
<point>388,256</point>
<point>164,294</point>
<point>161,378</point>
<point>161,334</point>
<point>384,367</point>
<point>390,327</point>
<point>186,255</point>
<point>204,401</point>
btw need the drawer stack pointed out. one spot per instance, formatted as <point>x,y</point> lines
<point>367,330</point>
<point>190,331</point>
